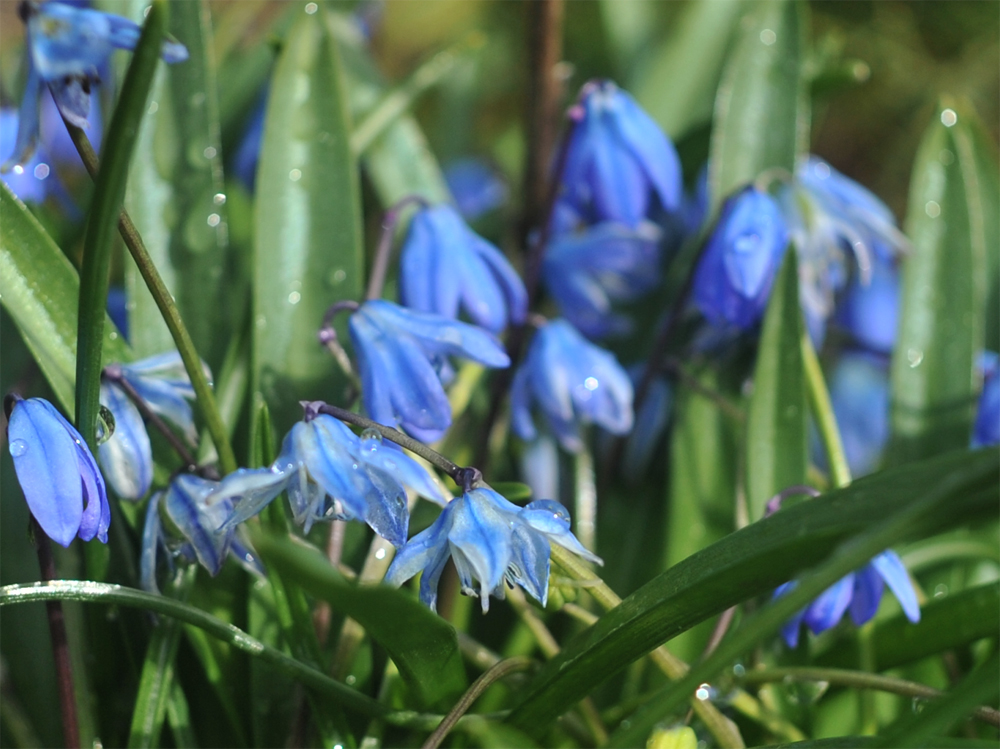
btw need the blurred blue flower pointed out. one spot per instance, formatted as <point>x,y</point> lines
<point>476,187</point>
<point>163,384</point>
<point>573,381</point>
<point>244,163</point>
<point>540,465</point>
<point>199,514</point>
<point>445,265</point>
<point>870,311</point>
<point>737,268</point>
<point>66,48</point>
<point>585,272</point>
<point>57,472</point>
<point>650,424</point>
<point>986,430</point>
<point>860,592</point>
<point>330,473</point>
<point>616,156</point>
<point>491,541</point>
<point>401,353</point>
<point>859,394</point>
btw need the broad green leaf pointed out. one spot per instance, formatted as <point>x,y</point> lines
<point>776,447</point>
<point>945,624</point>
<point>677,86</point>
<point>761,111</point>
<point>308,242</point>
<point>754,561</point>
<point>39,288</point>
<point>102,218</point>
<point>940,330</point>
<point>423,645</point>
<point>176,200</point>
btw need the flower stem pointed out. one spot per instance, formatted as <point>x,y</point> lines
<point>376,282</point>
<point>171,315</point>
<point>826,422</point>
<point>60,644</point>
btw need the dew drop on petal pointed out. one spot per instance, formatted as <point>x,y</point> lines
<point>18,448</point>
<point>380,554</point>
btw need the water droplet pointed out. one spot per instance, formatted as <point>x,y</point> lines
<point>295,175</point>
<point>153,106</point>
<point>940,590</point>
<point>18,169</point>
<point>311,8</point>
<point>738,670</point>
<point>261,321</point>
<point>219,198</point>
<point>351,678</point>
<point>704,692</point>
<point>768,37</point>
<point>41,171</point>
<point>214,219</point>
<point>294,297</point>
<point>209,152</point>
<point>591,383</point>
<point>932,209</point>
<point>113,335</point>
<point>946,157</point>
<point>380,554</point>
<point>949,118</point>
<point>105,425</point>
<point>338,276</point>
<point>914,356</point>
<point>18,448</point>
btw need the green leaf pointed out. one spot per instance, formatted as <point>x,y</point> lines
<point>308,242</point>
<point>754,561</point>
<point>176,200</point>
<point>423,645</point>
<point>102,219</point>
<point>940,330</point>
<point>39,288</point>
<point>761,111</point>
<point>677,86</point>
<point>776,450</point>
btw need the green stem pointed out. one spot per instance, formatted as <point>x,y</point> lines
<point>858,679</point>
<point>171,315</point>
<point>819,400</point>
<point>109,194</point>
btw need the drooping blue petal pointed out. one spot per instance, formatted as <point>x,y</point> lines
<point>652,149</point>
<point>331,464</point>
<point>152,539</point>
<point>790,629</point>
<point>164,389</point>
<point>529,563</point>
<point>72,96</point>
<point>481,543</point>
<point>552,519</point>
<point>386,458</point>
<point>476,187</point>
<point>427,551</point>
<point>859,394</point>
<point>986,430</point>
<point>28,119</point>
<point>867,595</point>
<point>540,465</point>
<point>186,504</point>
<point>127,457</point>
<point>870,311</point>
<point>251,490</point>
<point>43,445</point>
<point>828,609</point>
<point>890,567</point>
<point>96,518</point>
<point>244,554</point>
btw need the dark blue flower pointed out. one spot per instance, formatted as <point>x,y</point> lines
<point>199,514</point>
<point>400,353</point>
<point>491,541</point>
<point>986,430</point>
<point>476,187</point>
<point>66,48</point>
<point>860,592</point>
<point>617,156</point>
<point>585,272</point>
<point>445,265</point>
<point>734,276</point>
<point>859,394</point>
<point>60,478</point>
<point>573,382</point>
<point>330,473</point>
<point>870,311</point>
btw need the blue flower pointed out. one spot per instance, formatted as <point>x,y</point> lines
<point>330,473</point>
<point>445,265</point>
<point>617,155</point>
<point>870,311</point>
<point>986,430</point>
<point>244,162</point>
<point>585,272</point>
<point>400,354</point>
<point>60,478</point>
<point>859,393</point>
<point>163,384</point>
<point>573,381</point>
<point>650,424</point>
<point>737,268</point>
<point>476,187</point>
<point>860,592</point>
<point>491,541</point>
<point>66,48</point>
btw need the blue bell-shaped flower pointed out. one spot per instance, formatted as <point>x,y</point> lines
<point>66,48</point>
<point>860,592</point>
<point>986,430</point>
<point>400,354</point>
<point>58,475</point>
<point>859,394</point>
<point>199,514</point>
<point>733,279</point>
<point>870,311</point>
<point>585,272</point>
<point>617,157</point>
<point>445,266</point>
<point>491,541</point>
<point>573,382</point>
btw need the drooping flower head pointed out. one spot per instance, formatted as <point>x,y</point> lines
<point>860,592</point>
<point>57,472</point>
<point>859,394</point>
<point>986,430</point>
<point>476,187</point>
<point>491,541</point>
<point>587,271</point>
<point>870,311</point>
<point>67,46</point>
<point>401,354</point>
<point>445,266</point>
<point>617,158</point>
<point>573,382</point>
<point>737,268</point>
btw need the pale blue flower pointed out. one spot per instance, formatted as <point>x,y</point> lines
<point>859,394</point>
<point>491,541</point>
<point>445,266</point>
<point>57,472</point>
<point>986,430</point>
<point>870,311</point>
<point>573,382</point>
<point>400,355</point>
